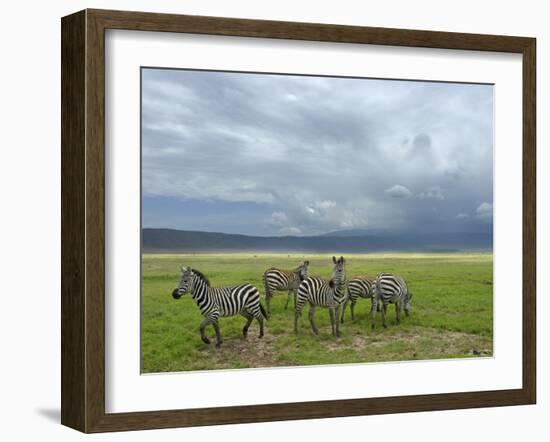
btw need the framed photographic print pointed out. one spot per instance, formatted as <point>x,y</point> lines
<point>269,220</point>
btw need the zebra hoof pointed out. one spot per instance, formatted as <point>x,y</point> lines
<point>218,344</point>
<point>245,332</point>
<point>205,340</point>
<point>261,336</point>
<point>372,327</point>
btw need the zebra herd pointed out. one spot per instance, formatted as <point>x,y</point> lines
<point>334,293</point>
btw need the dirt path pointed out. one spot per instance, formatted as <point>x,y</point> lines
<point>414,343</point>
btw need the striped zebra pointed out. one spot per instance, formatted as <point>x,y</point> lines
<point>390,289</point>
<point>215,302</point>
<point>358,287</point>
<point>319,292</point>
<point>277,279</point>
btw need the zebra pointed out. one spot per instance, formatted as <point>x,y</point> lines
<point>320,292</point>
<point>215,302</point>
<point>390,289</point>
<point>358,287</point>
<point>277,279</point>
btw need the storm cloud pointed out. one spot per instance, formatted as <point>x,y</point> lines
<point>300,155</point>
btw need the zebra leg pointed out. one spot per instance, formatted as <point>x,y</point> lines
<point>268,303</point>
<point>260,320</point>
<point>343,311</point>
<point>219,339</point>
<point>336,323</point>
<point>300,302</point>
<point>311,313</point>
<point>332,326</point>
<point>383,311</point>
<point>398,305</point>
<point>267,296</point>
<point>249,319</point>
<point>352,308</point>
<point>297,314</point>
<point>288,299</point>
<point>374,307</point>
<point>256,313</point>
<point>202,328</point>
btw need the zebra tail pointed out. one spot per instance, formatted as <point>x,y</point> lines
<point>264,313</point>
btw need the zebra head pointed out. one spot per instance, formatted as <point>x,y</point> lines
<point>338,277</point>
<point>302,270</point>
<point>185,282</point>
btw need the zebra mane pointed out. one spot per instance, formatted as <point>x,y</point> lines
<point>302,265</point>
<point>201,276</point>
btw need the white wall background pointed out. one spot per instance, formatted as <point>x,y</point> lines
<point>30,215</point>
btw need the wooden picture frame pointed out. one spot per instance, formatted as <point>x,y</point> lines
<point>83,220</point>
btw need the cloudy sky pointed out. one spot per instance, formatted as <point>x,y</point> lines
<point>266,154</point>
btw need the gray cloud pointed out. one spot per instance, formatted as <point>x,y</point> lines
<point>485,212</point>
<point>421,145</point>
<point>434,192</point>
<point>398,191</point>
<point>325,153</point>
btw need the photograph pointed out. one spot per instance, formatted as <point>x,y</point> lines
<point>298,220</point>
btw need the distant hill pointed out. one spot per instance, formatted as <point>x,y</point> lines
<point>359,232</point>
<point>172,241</point>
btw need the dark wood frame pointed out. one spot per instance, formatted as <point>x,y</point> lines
<point>83,217</point>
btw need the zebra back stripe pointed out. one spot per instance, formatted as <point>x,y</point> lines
<point>390,288</point>
<point>225,301</point>
<point>277,279</point>
<point>360,287</point>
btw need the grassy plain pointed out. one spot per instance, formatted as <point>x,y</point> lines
<point>451,313</point>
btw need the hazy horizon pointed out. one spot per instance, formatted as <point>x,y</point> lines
<point>280,155</point>
<point>346,233</point>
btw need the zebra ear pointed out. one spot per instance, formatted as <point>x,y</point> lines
<point>342,260</point>
<point>334,259</point>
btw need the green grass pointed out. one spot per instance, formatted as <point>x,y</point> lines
<point>451,313</point>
